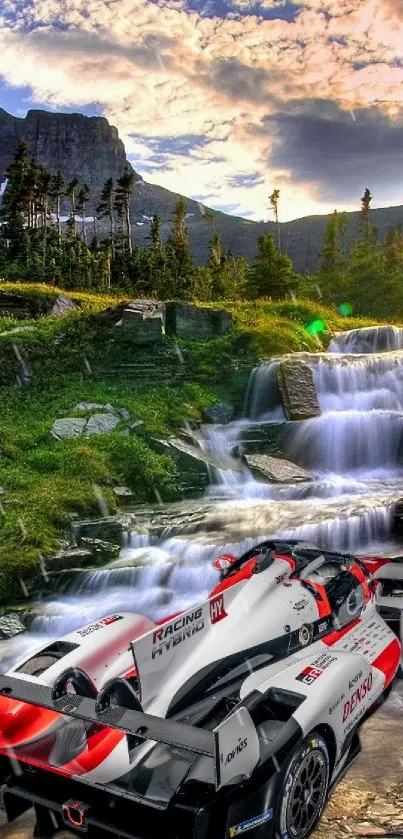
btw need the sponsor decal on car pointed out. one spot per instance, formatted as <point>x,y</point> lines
<point>240,746</point>
<point>357,697</point>
<point>99,625</point>
<point>315,669</point>
<point>300,605</point>
<point>309,675</point>
<point>337,703</point>
<point>256,821</point>
<point>281,579</point>
<point>177,632</point>
<point>217,610</point>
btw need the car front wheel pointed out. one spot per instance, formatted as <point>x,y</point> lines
<point>303,788</point>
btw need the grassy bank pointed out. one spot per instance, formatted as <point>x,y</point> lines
<point>48,482</point>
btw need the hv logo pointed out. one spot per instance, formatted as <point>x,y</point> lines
<point>217,610</point>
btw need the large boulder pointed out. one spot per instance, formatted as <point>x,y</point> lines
<point>263,438</point>
<point>275,469</point>
<point>194,465</point>
<point>187,321</point>
<point>10,625</point>
<point>62,305</point>
<point>143,327</point>
<point>297,390</point>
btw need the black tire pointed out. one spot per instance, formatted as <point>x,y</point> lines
<point>303,789</point>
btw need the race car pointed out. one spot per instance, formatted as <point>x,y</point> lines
<point>236,716</point>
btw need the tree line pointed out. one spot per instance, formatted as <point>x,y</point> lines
<point>367,276</point>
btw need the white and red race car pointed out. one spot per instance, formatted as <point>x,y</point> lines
<point>237,716</point>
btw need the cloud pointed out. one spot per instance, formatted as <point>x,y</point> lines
<point>340,153</point>
<point>225,105</point>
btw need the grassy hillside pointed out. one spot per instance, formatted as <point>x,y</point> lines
<point>45,482</point>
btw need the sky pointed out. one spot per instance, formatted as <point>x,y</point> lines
<point>226,100</point>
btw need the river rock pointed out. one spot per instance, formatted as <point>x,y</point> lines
<point>70,558</point>
<point>297,390</point>
<point>263,438</point>
<point>10,625</point>
<point>183,451</point>
<point>100,546</point>
<point>62,305</point>
<point>275,469</point>
<point>220,414</point>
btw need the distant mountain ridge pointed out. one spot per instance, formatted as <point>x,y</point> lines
<point>89,148</point>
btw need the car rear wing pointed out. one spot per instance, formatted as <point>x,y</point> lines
<point>233,746</point>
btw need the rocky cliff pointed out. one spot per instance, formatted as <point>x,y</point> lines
<point>89,148</point>
<point>85,147</point>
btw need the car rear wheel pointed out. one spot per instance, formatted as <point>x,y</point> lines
<point>303,788</point>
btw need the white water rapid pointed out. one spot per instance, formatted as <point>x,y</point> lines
<point>354,450</point>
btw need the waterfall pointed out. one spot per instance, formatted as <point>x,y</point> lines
<point>354,450</point>
<point>371,339</point>
<point>261,399</point>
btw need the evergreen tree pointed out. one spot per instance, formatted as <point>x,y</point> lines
<point>82,201</point>
<point>393,250</point>
<point>331,276</point>
<point>368,231</point>
<point>106,209</point>
<point>56,192</point>
<point>14,206</point>
<point>274,199</point>
<point>271,273</point>
<point>123,195</point>
<point>71,193</point>
<point>179,260</point>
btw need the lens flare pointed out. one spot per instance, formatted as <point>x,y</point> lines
<point>345,309</point>
<point>315,327</point>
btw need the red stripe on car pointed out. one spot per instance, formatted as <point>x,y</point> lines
<point>388,661</point>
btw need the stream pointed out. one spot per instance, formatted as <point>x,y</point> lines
<point>354,450</point>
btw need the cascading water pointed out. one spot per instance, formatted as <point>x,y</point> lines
<point>371,339</point>
<point>353,449</point>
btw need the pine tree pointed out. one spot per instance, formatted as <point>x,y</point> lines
<point>271,273</point>
<point>106,209</point>
<point>331,258</point>
<point>71,193</point>
<point>82,201</point>
<point>274,199</point>
<point>56,193</point>
<point>393,249</point>
<point>368,230</point>
<point>179,258</point>
<point>123,195</point>
<point>14,206</point>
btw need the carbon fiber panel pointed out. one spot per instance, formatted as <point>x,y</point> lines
<point>169,732</point>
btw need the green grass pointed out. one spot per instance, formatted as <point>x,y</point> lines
<point>47,481</point>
